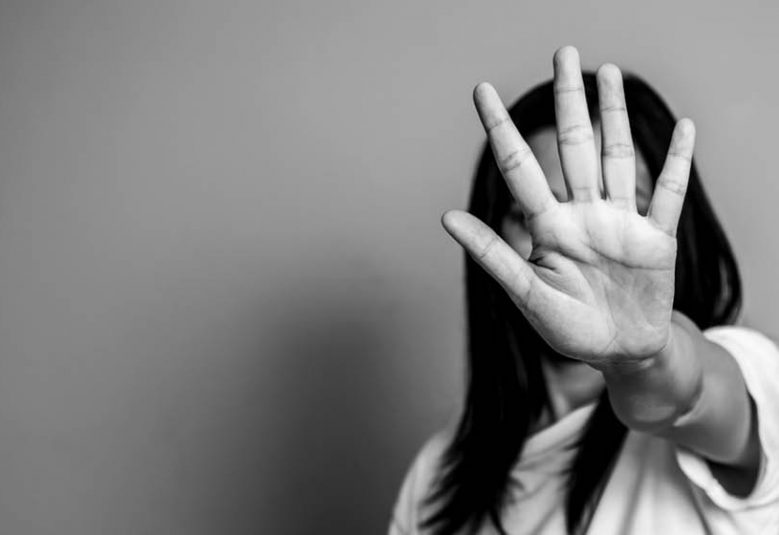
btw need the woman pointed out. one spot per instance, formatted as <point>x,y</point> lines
<point>606,392</point>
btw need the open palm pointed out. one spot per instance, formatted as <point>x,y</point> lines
<point>599,283</point>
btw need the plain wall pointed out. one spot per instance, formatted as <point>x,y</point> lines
<point>226,302</point>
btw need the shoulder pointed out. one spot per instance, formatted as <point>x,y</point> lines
<point>417,483</point>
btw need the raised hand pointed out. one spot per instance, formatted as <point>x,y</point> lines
<point>599,283</point>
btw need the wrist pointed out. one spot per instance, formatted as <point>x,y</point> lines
<point>678,343</point>
<point>652,393</point>
<point>631,369</point>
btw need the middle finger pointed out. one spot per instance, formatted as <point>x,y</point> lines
<point>575,140</point>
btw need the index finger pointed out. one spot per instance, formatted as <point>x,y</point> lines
<point>515,160</point>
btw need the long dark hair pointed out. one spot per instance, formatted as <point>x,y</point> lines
<point>506,390</point>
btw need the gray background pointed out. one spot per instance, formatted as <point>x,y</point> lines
<point>226,303</point>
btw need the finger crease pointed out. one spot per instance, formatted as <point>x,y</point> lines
<point>673,186</point>
<point>618,150</point>
<point>514,160</point>
<point>613,108</point>
<point>530,216</point>
<point>569,89</point>
<point>481,255</point>
<point>681,155</point>
<point>584,193</point>
<point>503,120</point>
<point>575,134</point>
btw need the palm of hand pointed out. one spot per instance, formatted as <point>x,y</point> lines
<point>599,283</point>
<point>605,282</point>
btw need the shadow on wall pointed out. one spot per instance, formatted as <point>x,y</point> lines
<point>334,416</point>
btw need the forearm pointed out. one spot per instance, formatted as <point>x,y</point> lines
<point>693,394</point>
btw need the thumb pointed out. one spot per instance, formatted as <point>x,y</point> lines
<point>493,254</point>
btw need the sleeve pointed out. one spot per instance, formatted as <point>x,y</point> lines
<point>404,516</point>
<point>758,358</point>
<point>407,512</point>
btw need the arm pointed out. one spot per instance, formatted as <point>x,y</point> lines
<point>598,285</point>
<point>693,393</point>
